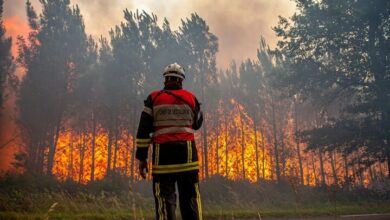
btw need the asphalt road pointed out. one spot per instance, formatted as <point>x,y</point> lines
<point>342,217</point>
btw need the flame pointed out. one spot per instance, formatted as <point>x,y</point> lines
<point>230,131</point>
<point>73,159</point>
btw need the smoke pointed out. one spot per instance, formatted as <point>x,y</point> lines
<point>101,15</point>
<point>237,24</point>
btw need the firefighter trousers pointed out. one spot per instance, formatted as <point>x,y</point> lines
<point>189,196</point>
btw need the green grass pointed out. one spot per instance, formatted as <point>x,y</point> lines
<point>27,198</point>
<point>300,211</point>
<point>210,212</point>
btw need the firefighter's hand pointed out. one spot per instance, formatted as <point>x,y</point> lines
<point>143,168</point>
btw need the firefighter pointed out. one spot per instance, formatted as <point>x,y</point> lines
<point>168,122</point>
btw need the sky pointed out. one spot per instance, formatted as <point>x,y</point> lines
<point>238,24</point>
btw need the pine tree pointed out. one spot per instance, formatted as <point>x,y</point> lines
<point>6,60</point>
<point>52,57</point>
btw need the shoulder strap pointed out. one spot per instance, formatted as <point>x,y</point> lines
<point>172,94</point>
<point>158,94</point>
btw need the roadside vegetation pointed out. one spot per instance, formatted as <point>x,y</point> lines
<point>34,197</point>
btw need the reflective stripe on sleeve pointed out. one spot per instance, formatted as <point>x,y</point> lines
<point>148,110</point>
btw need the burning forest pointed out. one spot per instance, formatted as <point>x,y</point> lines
<point>299,122</point>
<point>312,112</point>
<point>79,99</point>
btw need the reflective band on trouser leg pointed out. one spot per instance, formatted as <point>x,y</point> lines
<point>174,168</point>
<point>159,208</point>
<point>198,200</point>
<point>173,130</point>
<point>164,209</point>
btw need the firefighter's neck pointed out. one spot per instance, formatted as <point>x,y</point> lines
<point>172,85</point>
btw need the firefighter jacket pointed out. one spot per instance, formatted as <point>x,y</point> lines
<point>168,122</point>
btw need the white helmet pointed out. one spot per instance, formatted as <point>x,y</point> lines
<point>175,70</point>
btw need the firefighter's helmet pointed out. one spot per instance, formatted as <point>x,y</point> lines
<point>175,70</point>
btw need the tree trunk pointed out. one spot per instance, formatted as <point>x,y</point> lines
<point>298,147</point>
<point>109,149</point>
<point>388,158</point>
<point>283,156</point>
<point>81,152</point>
<point>276,151</point>
<point>70,162</point>
<point>256,147</point>
<point>322,168</point>
<point>93,147</point>
<point>205,151</point>
<point>314,170</point>
<point>360,170</point>
<point>263,151</point>
<point>307,172</point>
<point>381,171</point>
<point>115,150</point>
<point>346,170</point>
<point>216,148</point>
<point>127,153</point>
<point>38,159</point>
<point>242,144</point>
<point>52,148</point>
<point>226,147</point>
<point>332,161</point>
<point>134,133</point>
<point>371,173</point>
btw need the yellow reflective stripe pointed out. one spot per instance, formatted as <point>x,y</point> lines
<point>173,122</point>
<point>148,111</point>
<point>189,151</point>
<point>142,145</point>
<point>176,165</point>
<point>159,202</point>
<point>198,201</point>
<point>164,209</point>
<point>143,142</point>
<point>173,130</point>
<point>147,140</point>
<point>157,154</point>
<point>175,170</point>
<point>158,169</point>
